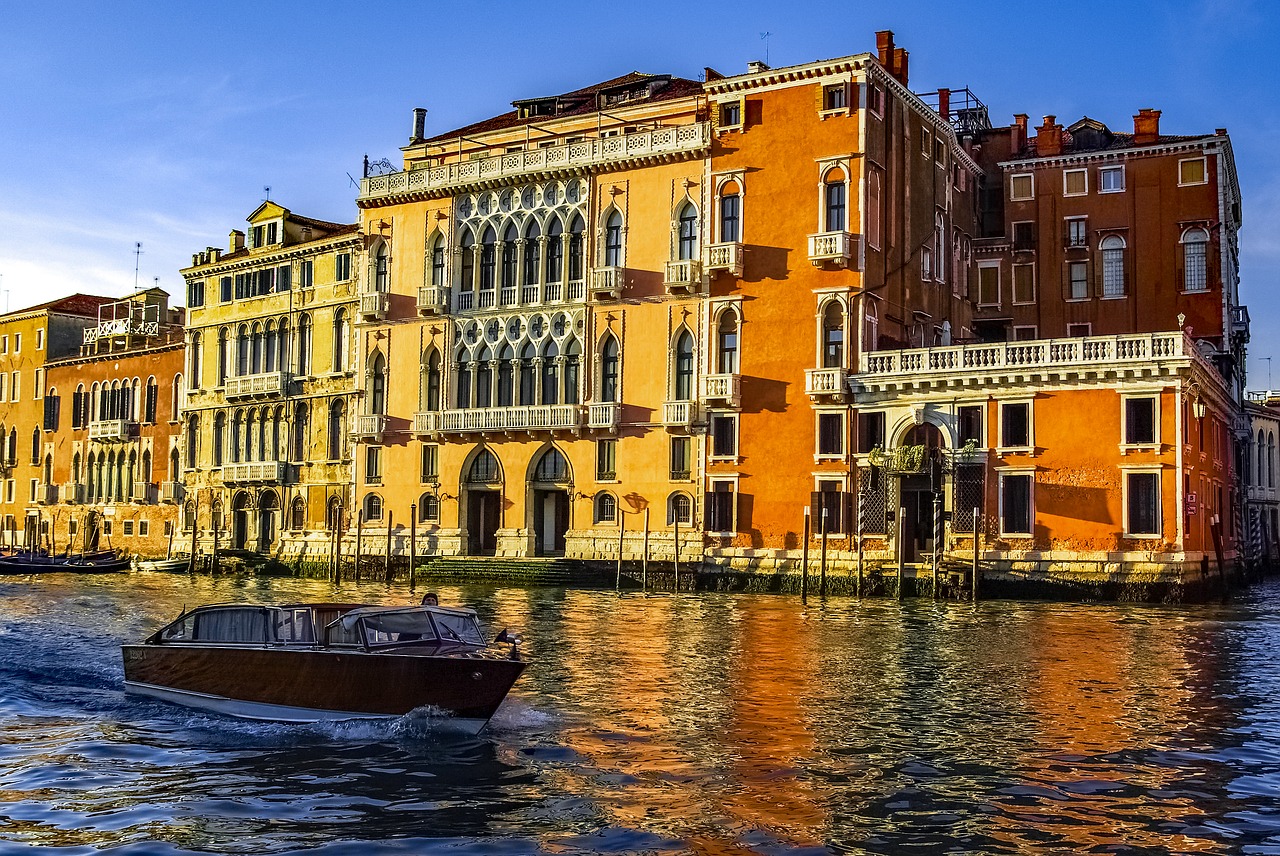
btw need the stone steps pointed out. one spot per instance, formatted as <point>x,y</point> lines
<point>550,571</point>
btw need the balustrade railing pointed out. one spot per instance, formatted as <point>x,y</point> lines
<point>722,387</point>
<point>526,418</point>
<point>254,471</point>
<point>72,492</point>
<point>432,299</point>
<point>677,413</point>
<point>1040,353</point>
<point>726,256</point>
<point>171,491</point>
<point>682,139</point>
<point>110,429</point>
<point>830,246</point>
<point>825,381</point>
<point>683,274</point>
<point>262,384</point>
<point>369,426</point>
<point>604,415</point>
<point>373,305</point>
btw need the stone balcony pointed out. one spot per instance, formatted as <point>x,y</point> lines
<point>72,492</point>
<point>433,300</point>
<point>255,471</point>
<point>683,276</point>
<point>834,247</point>
<point>46,494</point>
<point>724,389</point>
<point>373,305</point>
<point>826,383</point>
<point>111,430</point>
<point>726,257</point>
<point>530,418</point>
<point>141,493</point>
<point>368,427</point>
<point>653,146</point>
<point>1134,355</point>
<point>172,492</point>
<point>677,414</point>
<point>604,416</point>
<point>544,294</point>
<point>261,385</point>
<point>607,282</point>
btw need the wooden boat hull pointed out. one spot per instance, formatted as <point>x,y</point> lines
<point>315,684</point>
<point>168,566</point>
<point>62,566</point>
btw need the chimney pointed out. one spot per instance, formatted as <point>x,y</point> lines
<point>419,125</point>
<point>884,49</point>
<point>1049,138</point>
<point>900,65</point>
<point>237,241</point>
<point>1146,126</point>
<point>214,255</point>
<point>1018,133</point>
<point>944,104</point>
<point>756,66</point>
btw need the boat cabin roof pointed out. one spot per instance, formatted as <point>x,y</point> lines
<point>323,625</point>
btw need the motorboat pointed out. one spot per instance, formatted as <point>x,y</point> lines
<point>309,662</point>
<point>105,562</point>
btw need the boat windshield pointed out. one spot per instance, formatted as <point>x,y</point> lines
<point>226,624</point>
<point>458,628</point>
<point>395,627</point>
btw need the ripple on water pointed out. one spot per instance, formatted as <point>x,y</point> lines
<point>707,723</point>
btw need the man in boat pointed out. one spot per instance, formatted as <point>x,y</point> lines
<point>430,599</point>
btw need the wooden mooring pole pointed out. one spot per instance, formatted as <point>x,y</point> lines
<point>974,572</point>
<point>386,567</point>
<point>804,559</point>
<point>413,541</point>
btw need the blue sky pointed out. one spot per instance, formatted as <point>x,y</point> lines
<point>123,122</point>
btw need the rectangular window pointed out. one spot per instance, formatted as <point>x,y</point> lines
<point>873,207</point>
<point>1025,333</point>
<point>306,273</point>
<point>106,527</point>
<point>1077,280</point>
<point>1191,171</point>
<point>870,432</point>
<point>606,459</point>
<point>126,527</point>
<point>721,505</point>
<point>224,289</point>
<point>1024,284</point>
<point>38,392</point>
<point>284,278</point>
<point>1142,505</point>
<point>4,344</point>
<point>1015,425</point>
<point>875,100</point>
<point>1075,182</point>
<point>257,236</point>
<point>195,294</point>
<point>373,465</point>
<point>1077,331</point>
<point>430,463</point>
<point>829,507</point>
<point>342,267</point>
<point>1021,187</point>
<point>679,458</point>
<point>926,142</point>
<point>939,150</point>
<point>831,434</point>
<point>970,419</point>
<point>833,97</point>
<point>731,114</point>
<point>40,332</point>
<point>835,203</point>
<point>1110,179</point>
<point>1024,235</point>
<point>13,386</point>
<point>926,263</point>
<point>144,528</point>
<point>17,343</point>
<point>988,283</point>
<point>1140,421</point>
<point>724,435</point>
<point>1077,232</point>
<point>1015,504</point>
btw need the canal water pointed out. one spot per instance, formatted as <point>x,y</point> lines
<point>691,723</point>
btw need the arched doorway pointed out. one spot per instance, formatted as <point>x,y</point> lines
<point>482,487</point>
<point>240,521</point>
<point>268,507</point>
<point>921,493</point>
<point>549,485</point>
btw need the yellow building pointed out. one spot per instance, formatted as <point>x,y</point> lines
<point>270,383</point>
<point>29,339</point>
<point>512,265</point>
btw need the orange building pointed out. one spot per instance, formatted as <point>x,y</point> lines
<point>110,464</point>
<point>584,329</point>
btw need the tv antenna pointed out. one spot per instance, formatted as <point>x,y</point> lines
<point>764,37</point>
<point>137,261</point>
<point>267,191</point>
